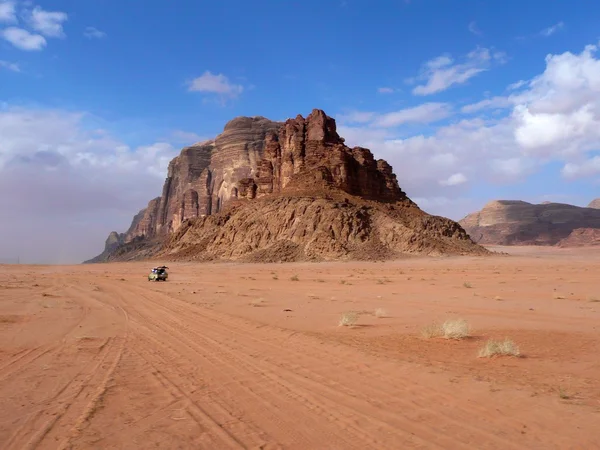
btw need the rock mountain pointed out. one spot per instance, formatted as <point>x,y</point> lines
<point>515,222</point>
<point>264,190</point>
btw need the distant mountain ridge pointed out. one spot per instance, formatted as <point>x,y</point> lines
<point>516,222</point>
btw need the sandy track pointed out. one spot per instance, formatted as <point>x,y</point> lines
<point>129,364</point>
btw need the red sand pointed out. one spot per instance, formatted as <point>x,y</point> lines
<point>98,357</point>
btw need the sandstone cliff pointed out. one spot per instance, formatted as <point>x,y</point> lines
<point>515,222</point>
<point>262,186</point>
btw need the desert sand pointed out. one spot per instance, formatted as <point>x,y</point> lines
<point>251,355</point>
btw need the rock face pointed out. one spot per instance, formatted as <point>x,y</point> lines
<point>295,185</point>
<point>581,237</point>
<point>515,222</point>
<point>594,203</point>
<point>113,242</point>
<point>305,228</point>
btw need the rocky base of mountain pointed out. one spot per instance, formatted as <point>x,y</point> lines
<point>300,228</point>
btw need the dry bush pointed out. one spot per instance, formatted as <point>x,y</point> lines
<point>348,319</point>
<point>295,278</point>
<point>456,329</point>
<point>467,285</point>
<point>431,331</point>
<point>450,329</point>
<point>501,348</point>
<point>381,313</point>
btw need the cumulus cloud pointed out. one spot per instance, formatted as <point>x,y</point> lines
<point>71,182</point>
<point>443,72</point>
<point>38,25</point>
<point>7,12</point>
<point>48,23</point>
<point>552,117</point>
<point>23,39</point>
<point>215,84</point>
<point>94,33</point>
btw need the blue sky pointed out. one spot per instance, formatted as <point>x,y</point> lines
<point>469,101</point>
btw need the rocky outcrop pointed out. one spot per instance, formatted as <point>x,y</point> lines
<point>316,229</point>
<point>113,242</point>
<point>581,237</point>
<point>515,222</point>
<point>223,196</point>
<point>594,203</point>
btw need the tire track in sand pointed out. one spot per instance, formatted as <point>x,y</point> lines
<point>473,421</point>
<point>63,415</point>
<point>345,408</point>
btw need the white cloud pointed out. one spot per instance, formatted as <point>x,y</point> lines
<point>70,182</point>
<point>473,29</point>
<point>215,84</point>
<point>94,33</point>
<point>10,66</point>
<point>421,114</point>
<point>560,112</point>
<point>586,168</point>
<point>454,180</point>
<point>7,12</point>
<point>552,117</point>
<point>488,103</point>
<point>442,72</point>
<point>386,90</point>
<point>513,168</point>
<point>517,85</point>
<point>23,39</point>
<point>48,23</point>
<point>425,113</point>
<point>552,29</point>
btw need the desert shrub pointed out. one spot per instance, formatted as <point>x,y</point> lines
<point>348,319</point>
<point>456,329</point>
<point>493,347</point>
<point>450,329</point>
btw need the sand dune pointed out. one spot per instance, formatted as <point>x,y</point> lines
<point>251,355</point>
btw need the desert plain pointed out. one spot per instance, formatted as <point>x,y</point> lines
<point>229,355</point>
